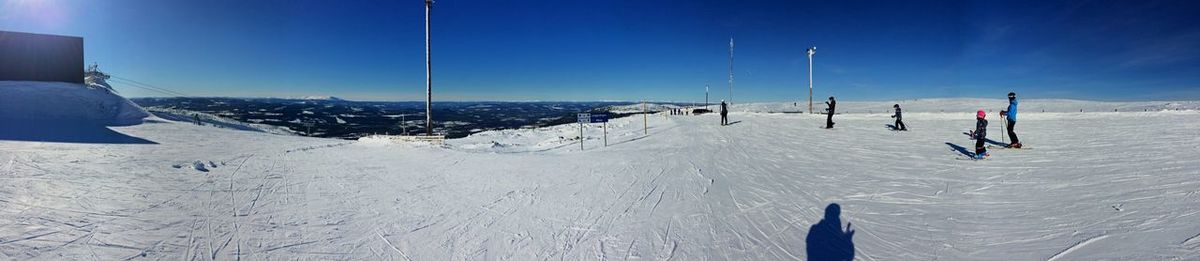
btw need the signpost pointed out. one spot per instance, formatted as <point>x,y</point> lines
<point>602,118</point>
<point>592,118</point>
<point>645,122</point>
<point>583,118</point>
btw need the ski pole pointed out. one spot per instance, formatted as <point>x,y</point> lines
<point>1003,124</point>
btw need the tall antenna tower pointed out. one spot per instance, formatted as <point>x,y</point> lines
<point>730,70</point>
<point>811,52</point>
<point>428,76</point>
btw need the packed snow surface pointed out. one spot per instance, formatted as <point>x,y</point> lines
<point>970,105</point>
<point>1090,186</point>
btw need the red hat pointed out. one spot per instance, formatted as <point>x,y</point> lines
<point>980,114</point>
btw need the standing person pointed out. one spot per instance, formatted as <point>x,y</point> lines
<point>899,122</point>
<point>829,119</point>
<point>1011,114</point>
<point>724,114</point>
<point>980,134</point>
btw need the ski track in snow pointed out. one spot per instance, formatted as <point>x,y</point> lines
<point>1095,186</point>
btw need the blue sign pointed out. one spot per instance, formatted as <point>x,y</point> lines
<point>599,118</point>
<point>584,118</point>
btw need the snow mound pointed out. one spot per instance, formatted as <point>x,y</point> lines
<point>23,101</point>
<point>637,107</point>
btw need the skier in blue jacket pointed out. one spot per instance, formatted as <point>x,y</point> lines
<point>1011,114</point>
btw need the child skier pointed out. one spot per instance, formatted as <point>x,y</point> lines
<point>899,122</point>
<point>980,134</point>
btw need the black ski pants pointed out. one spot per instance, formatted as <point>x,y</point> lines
<point>1011,133</point>
<point>979,148</point>
<point>829,121</point>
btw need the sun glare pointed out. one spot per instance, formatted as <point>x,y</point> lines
<point>42,13</point>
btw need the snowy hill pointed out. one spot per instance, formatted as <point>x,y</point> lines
<point>65,112</point>
<point>771,186</point>
<point>218,121</point>
<point>53,101</point>
<point>322,98</point>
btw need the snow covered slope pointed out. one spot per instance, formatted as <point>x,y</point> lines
<point>65,112</point>
<point>971,105</point>
<point>218,121</point>
<point>55,101</point>
<point>1106,185</point>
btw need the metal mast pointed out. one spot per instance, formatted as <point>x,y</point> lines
<point>731,70</point>
<point>811,51</point>
<point>706,95</point>
<point>428,75</point>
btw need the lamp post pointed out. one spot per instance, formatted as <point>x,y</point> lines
<point>810,52</point>
<point>730,70</point>
<point>428,75</point>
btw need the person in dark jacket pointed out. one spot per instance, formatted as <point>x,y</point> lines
<point>829,119</point>
<point>724,114</point>
<point>1011,114</point>
<point>899,121</point>
<point>980,134</point>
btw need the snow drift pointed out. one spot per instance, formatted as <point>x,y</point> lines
<point>22,101</point>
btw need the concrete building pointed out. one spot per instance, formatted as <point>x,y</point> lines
<point>40,57</point>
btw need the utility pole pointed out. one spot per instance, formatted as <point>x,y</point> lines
<point>811,51</point>
<point>705,95</point>
<point>730,70</point>
<point>428,75</point>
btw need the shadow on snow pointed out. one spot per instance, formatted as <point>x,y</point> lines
<point>66,132</point>
<point>827,241</point>
<point>961,149</point>
<point>990,141</point>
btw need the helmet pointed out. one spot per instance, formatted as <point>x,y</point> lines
<point>1012,95</point>
<point>896,106</point>
<point>980,114</point>
<point>831,98</point>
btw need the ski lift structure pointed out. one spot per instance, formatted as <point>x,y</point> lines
<point>94,78</point>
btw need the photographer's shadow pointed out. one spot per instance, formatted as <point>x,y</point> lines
<point>827,241</point>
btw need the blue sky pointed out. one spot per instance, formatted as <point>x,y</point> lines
<point>632,50</point>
